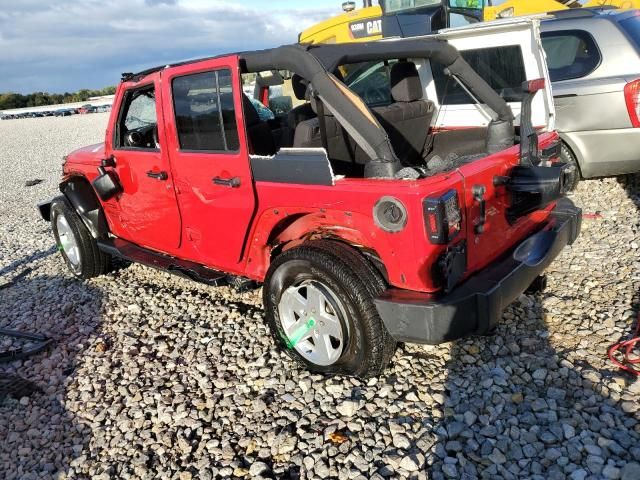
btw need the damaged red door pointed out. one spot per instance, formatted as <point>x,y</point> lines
<point>210,160</point>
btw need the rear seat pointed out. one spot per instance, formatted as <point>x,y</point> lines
<point>406,121</point>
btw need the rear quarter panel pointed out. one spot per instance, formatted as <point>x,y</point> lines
<point>345,211</point>
<point>597,104</point>
<point>294,213</point>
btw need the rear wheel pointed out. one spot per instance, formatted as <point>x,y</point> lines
<point>319,305</point>
<point>567,156</point>
<point>75,243</point>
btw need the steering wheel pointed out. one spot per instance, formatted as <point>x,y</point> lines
<point>134,138</point>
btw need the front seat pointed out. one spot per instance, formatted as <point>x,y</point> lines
<point>339,145</point>
<point>407,121</point>
<point>302,112</point>
<point>259,133</point>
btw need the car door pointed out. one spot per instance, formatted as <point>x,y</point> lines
<point>147,209</point>
<point>210,159</point>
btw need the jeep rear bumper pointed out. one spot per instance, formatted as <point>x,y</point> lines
<point>476,306</point>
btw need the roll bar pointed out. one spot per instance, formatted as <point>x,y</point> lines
<point>315,62</point>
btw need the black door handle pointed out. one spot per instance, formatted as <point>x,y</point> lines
<point>233,182</point>
<point>157,175</point>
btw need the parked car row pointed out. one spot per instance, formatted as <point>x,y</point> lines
<point>61,112</point>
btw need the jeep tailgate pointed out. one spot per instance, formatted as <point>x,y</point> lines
<point>490,231</point>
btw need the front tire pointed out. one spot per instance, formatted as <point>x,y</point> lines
<point>76,244</point>
<point>319,306</point>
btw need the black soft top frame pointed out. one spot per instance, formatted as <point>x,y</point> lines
<point>315,62</point>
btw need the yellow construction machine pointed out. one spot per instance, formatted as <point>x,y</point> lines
<point>415,17</point>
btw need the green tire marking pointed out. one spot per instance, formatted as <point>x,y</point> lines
<point>300,333</point>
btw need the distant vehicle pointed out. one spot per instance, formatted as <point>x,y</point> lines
<point>594,64</point>
<point>88,108</point>
<point>65,112</point>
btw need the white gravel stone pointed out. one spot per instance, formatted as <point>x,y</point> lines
<point>154,376</point>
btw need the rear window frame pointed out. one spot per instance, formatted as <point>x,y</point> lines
<point>444,96</point>
<point>577,32</point>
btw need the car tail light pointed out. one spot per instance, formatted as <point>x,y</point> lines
<point>443,218</point>
<point>533,86</point>
<point>551,153</point>
<point>632,97</point>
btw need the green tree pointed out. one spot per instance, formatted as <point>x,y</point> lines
<point>10,100</point>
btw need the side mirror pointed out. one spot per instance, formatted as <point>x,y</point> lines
<point>108,162</point>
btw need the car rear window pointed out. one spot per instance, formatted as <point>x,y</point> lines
<point>570,54</point>
<point>632,28</point>
<point>501,67</point>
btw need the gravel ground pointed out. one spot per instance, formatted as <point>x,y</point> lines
<point>152,376</point>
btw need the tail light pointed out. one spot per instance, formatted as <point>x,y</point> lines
<point>632,97</point>
<point>443,218</point>
<point>551,153</point>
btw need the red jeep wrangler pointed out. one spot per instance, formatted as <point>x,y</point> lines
<point>366,219</point>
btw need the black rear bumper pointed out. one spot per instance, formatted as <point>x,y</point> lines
<point>475,306</point>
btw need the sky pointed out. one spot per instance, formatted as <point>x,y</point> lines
<point>61,46</point>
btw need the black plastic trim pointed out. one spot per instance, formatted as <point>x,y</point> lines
<point>194,271</point>
<point>477,305</point>
<point>84,201</point>
<point>298,167</point>
<point>45,210</point>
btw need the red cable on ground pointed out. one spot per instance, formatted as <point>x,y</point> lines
<point>625,349</point>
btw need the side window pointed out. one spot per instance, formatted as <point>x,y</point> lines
<point>570,54</point>
<point>138,125</point>
<point>205,114</point>
<point>501,67</point>
<point>371,81</point>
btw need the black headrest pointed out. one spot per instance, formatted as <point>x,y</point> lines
<point>405,82</point>
<point>299,86</point>
<point>251,116</point>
